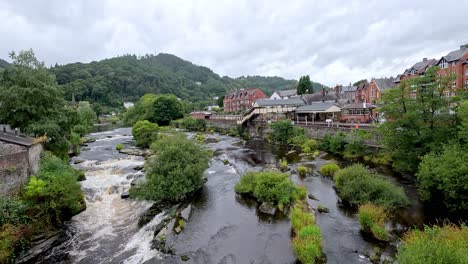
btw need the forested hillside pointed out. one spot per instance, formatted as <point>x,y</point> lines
<point>3,64</point>
<point>128,77</point>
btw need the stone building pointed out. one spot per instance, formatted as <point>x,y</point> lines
<point>19,158</point>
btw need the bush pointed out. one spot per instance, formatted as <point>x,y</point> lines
<point>302,170</point>
<point>329,169</point>
<point>334,144</point>
<point>443,178</point>
<point>300,193</point>
<point>284,164</point>
<point>144,132</point>
<point>194,124</point>
<point>298,140</point>
<point>54,194</point>
<point>372,219</point>
<point>284,130</point>
<point>354,149</point>
<point>307,244</point>
<point>119,146</point>
<point>357,186</point>
<point>267,186</point>
<point>445,245</point>
<point>310,145</point>
<point>175,171</point>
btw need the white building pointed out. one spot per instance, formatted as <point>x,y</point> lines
<point>285,94</point>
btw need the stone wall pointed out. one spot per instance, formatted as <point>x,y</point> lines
<point>17,163</point>
<point>14,172</point>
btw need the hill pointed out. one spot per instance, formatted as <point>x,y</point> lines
<point>3,64</point>
<point>126,78</point>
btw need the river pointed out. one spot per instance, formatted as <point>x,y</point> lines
<point>223,227</point>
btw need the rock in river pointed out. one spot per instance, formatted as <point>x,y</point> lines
<point>268,208</point>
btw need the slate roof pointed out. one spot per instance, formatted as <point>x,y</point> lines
<point>279,102</point>
<point>358,106</point>
<point>287,93</point>
<point>348,89</point>
<point>241,93</point>
<point>456,54</point>
<point>385,83</point>
<point>315,107</point>
<point>318,97</point>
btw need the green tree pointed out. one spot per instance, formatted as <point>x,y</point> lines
<point>418,124</point>
<point>28,92</point>
<point>176,170</point>
<point>304,86</point>
<point>144,132</point>
<point>443,178</point>
<point>220,101</point>
<point>86,114</point>
<point>165,109</point>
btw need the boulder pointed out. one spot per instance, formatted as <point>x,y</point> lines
<point>267,208</point>
<point>323,209</point>
<point>312,197</point>
<point>184,257</point>
<point>185,214</point>
<point>125,195</point>
<point>78,161</point>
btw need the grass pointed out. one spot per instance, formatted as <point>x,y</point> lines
<point>307,236</point>
<point>329,169</point>
<point>372,219</point>
<point>442,245</point>
<point>302,170</point>
<point>119,146</point>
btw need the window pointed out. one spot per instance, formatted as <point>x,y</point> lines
<point>454,84</point>
<point>443,64</point>
<point>372,92</point>
<point>466,72</point>
<point>453,64</point>
<point>466,84</point>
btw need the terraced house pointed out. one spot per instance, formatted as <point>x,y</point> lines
<point>239,100</point>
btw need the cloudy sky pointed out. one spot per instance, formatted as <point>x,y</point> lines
<point>332,41</point>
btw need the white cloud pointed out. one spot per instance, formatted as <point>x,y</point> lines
<point>333,41</point>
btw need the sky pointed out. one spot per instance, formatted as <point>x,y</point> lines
<point>335,42</point>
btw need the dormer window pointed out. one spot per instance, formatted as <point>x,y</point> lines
<point>413,72</point>
<point>443,64</point>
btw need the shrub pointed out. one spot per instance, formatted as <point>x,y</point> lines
<point>54,194</point>
<point>284,130</point>
<point>357,186</point>
<point>446,245</point>
<point>354,149</point>
<point>300,193</point>
<point>443,178</point>
<point>247,183</point>
<point>298,140</point>
<point>268,186</point>
<point>274,187</point>
<point>119,146</point>
<point>372,219</point>
<point>302,170</point>
<point>144,133</point>
<point>175,171</point>
<point>194,124</point>
<point>334,143</point>
<point>329,169</point>
<point>316,153</point>
<point>310,145</point>
<point>284,164</point>
<point>307,244</point>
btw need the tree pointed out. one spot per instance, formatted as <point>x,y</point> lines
<point>165,109</point>
<point>28,93</point>
<point>86,114</point>
<point>416,125</point>
<point>144,133</point>
<point>175,171</point>
<point>220,101</point>
<point>305,85</point>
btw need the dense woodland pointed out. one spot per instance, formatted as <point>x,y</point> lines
<point>127,78</point>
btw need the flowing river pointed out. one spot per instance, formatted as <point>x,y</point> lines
<point>223,228</point>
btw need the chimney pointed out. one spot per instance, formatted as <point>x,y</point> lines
<point>425,59</point>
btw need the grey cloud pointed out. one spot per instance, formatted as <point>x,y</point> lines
<point>333,41</point>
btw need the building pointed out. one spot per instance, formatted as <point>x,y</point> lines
<point>200,115</point>
<point>376,88</point>
<point>456,62</point>
<point>239,100</point>
<point>19,158</point>
<point>360,93</point>
<point>317,112</point>
<point>346,92</point>
<point>416,70</point>
<point>272,109</point>
<point>285,94</point>
<point>358,113</point>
